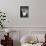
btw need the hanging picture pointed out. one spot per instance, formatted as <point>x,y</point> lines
<point>24,11</point>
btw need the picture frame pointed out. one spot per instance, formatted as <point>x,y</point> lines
<point>24,11</point>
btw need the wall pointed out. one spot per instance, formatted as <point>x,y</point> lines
<point>12,9</point>
<point>37,13</point>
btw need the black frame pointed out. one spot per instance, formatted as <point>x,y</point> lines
<point>25,10</point>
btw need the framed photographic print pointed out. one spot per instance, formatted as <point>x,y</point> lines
<point>24,11</point>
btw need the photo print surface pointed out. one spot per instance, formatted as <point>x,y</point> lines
<point>24,11</point>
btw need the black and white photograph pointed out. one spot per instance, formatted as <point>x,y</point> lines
<point>24,11</point>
